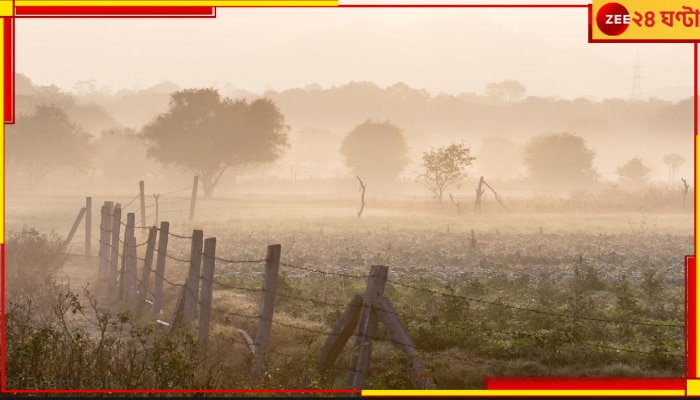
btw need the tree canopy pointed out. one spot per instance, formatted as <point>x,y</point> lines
<point>560,159</point>
<point>375,150</point>
<point>445,167</point>
<point>45,140</point>
<point>508,90</point>
<point>673,161</point>
<point>208,135</point>
<point>634,172</point>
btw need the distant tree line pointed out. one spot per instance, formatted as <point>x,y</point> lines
<point>207,134</point>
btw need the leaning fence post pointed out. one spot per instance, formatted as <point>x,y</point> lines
<point>88,226</point>
<point>116,227</point>
<point>205,294</point>
<point>128,234</point>
<point>359,359</point>
<point>267,305</point>
<point>147,263</point>
<point>142,195</point>
<point>160,267</point>
<point>74,227</point>
<point>192,283</point>
<point>194,197</point>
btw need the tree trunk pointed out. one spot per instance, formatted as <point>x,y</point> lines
<point>207,185</point>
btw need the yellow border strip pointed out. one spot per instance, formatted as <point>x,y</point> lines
<point>511,393</point>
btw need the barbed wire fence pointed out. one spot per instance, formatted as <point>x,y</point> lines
<point>196,281</point>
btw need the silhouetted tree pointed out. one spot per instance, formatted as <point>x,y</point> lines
<point>673,161</point>
<point>445,167</point>
<point>508,90</point>
<point>561,159</point>
<point>375,150</point>
<point>207,135</point>
<point>45,140</point>
<point>634,172</point>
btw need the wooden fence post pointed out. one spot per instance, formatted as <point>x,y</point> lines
<point>361,352</point>
<point>130,275</point>
<point>176,319</point>
<point>128,234</point>
<point>342,330</point>
<point>105,237</point>
<point>101,251</point>
<point>156,196</point>
<point>160,267</point>
<point>398,334</point>
<point>194,197</point>
<point>143,206</point>
<point>267,304</point>
<point>207,288</point>
<point>74,228</point>
<point>192,283</point>
<point>116,227</point>
<point>88,227</point>
<point>146,271</point>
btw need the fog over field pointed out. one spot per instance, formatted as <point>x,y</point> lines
<point>531,194</point>
<point>325,69</point>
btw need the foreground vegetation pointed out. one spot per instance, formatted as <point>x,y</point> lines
<point>490,295</point>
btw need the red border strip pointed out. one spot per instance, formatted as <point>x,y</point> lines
<point>115,11</point>
<point>154,391</point>
<point>585,384</point>
<point>9,67</point>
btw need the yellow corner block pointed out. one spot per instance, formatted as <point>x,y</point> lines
<point>692,387</point>
<point>6,8</point>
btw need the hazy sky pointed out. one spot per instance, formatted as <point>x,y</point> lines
<point>450,50</point>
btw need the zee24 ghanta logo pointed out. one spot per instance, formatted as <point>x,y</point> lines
<point>613,19</point>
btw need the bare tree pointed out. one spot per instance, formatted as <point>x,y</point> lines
<point>445,167</point>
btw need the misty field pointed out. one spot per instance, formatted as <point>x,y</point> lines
<point>497,294</point>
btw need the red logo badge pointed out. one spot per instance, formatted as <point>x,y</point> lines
<point>613,19</point>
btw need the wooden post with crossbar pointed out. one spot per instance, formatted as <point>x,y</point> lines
<point>267,305</point>
<point>363,315</point>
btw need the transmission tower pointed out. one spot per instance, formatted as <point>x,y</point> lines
<point>637,85</point>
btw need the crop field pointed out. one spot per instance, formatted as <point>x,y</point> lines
<point>497,294</point>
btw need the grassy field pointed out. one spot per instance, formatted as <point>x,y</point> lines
<point>497,294</point>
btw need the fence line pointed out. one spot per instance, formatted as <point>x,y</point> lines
<point>359,321</point>
<point>428,290</point>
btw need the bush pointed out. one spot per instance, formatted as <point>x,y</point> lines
<point>31,261</point>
